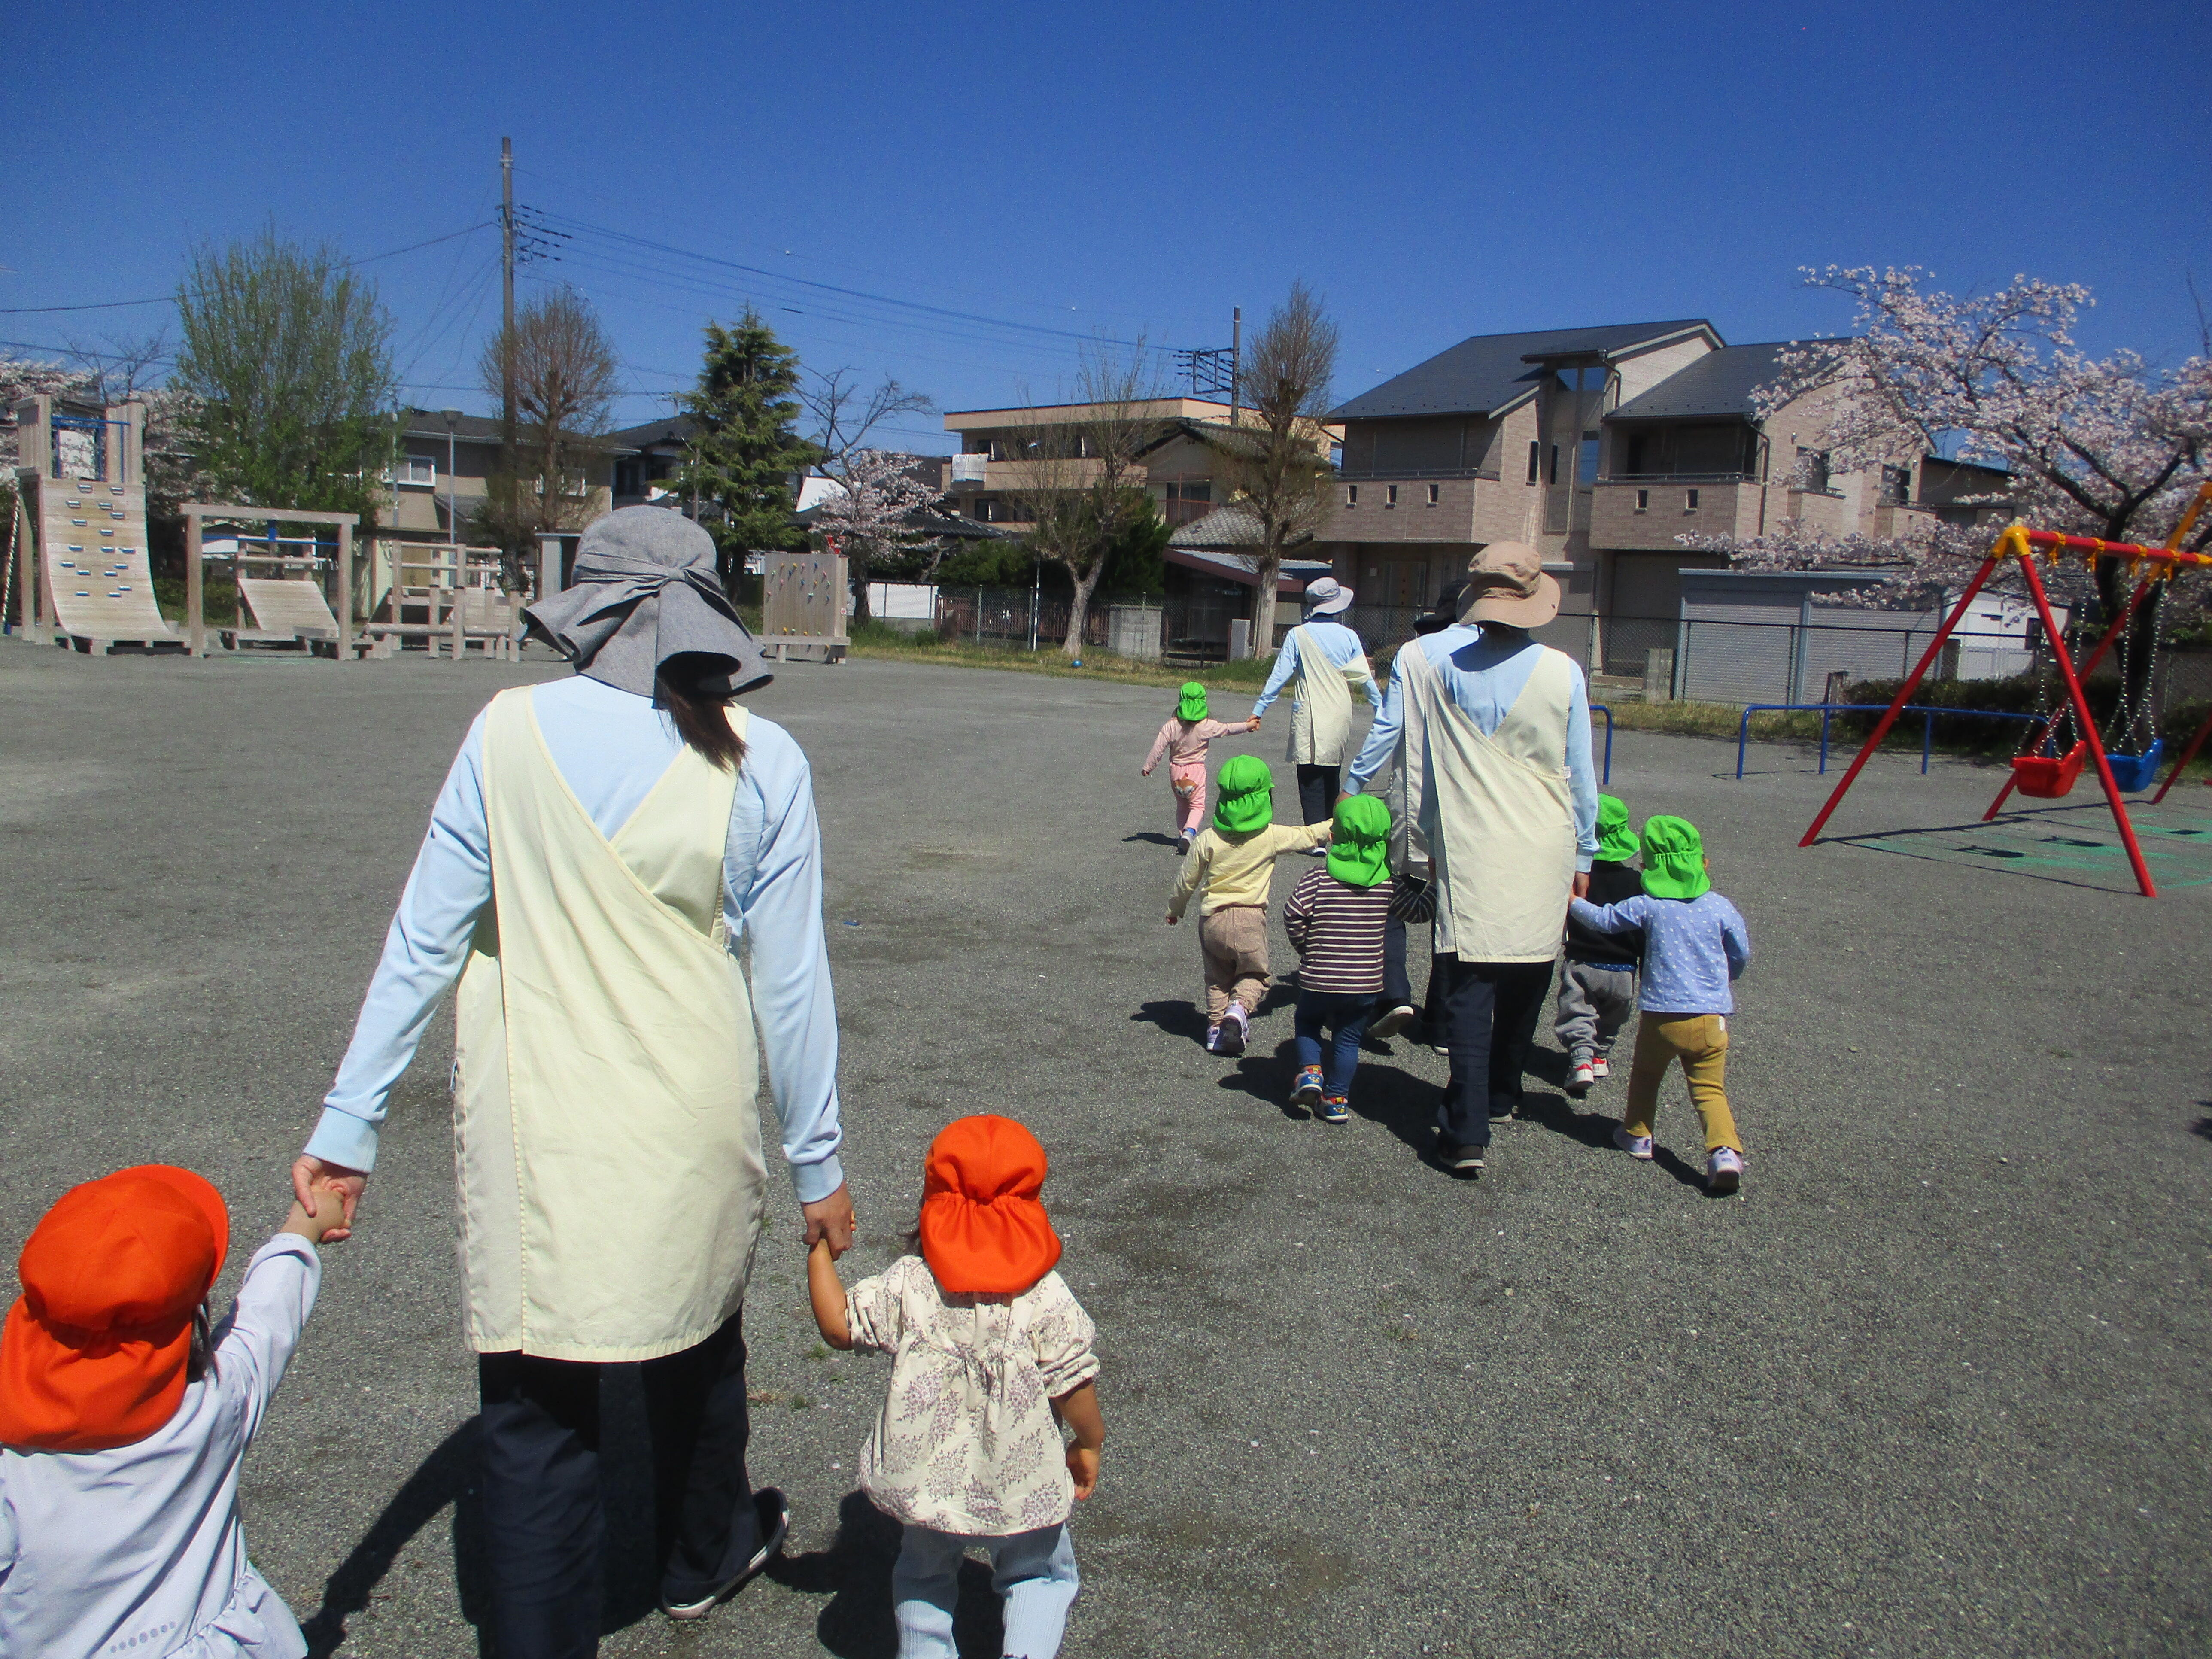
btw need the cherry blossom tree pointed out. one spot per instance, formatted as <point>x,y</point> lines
<point>2112,448</point>
<point>846,418</point>
<point>867,516</point>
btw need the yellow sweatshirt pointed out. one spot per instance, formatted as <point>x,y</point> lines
<point>1239,869</point>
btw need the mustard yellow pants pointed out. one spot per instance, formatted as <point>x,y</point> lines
<point>1700,1042</point>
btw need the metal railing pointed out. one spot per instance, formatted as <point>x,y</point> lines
<point>1369,474</point>
<point>1826,709</point>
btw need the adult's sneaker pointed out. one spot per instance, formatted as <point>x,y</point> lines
<point>1306,1091</point>
<point>1464,1161</point>
<point>774,1512</point>
<point>1235,1030</point>
<point>1335,1109</point>
<point>1393,1021</point>
<point>1580,1078</point>
<point>1634,1145</point>
<point>1723,1170</point>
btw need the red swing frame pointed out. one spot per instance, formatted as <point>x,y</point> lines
<point>2019,542</point>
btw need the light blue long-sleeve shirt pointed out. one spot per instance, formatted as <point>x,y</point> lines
<point>1338,643</point>
<point>1692,948</point>
<point>613,746</point>
<point>1484,676</point>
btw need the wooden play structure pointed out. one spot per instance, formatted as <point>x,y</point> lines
<point>289,607</point>
<point>444,595</point>
<point>82,578</point>
<point>2043,769</point>
<point>803,598</point>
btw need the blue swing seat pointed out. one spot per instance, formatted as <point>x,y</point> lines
<point>2134,772</point>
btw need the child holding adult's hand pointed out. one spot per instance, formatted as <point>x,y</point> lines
<point>992,1353</point>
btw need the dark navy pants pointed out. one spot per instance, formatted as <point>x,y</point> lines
<point>545,1525</point>
<point>1489,1012</point>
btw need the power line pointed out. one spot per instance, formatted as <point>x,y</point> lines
<point>170,298</point>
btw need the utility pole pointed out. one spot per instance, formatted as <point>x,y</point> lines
<point>1235,358</point>
<point>506,310</point>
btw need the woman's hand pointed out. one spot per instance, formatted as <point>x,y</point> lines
<point>310,1174</point>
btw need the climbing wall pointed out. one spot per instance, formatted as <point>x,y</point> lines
<point>98,585</point>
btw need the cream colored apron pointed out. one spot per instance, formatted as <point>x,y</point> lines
<point>1409,847</point>
<point>606,1128</point>
<point>1497,814</point>
<point>1320,719</point>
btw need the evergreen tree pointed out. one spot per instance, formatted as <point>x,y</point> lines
<point>744,447</point>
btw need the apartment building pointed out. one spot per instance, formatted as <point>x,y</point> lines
<point>440,478</point>
<point>1181,460</point>
<point>1602,447</point>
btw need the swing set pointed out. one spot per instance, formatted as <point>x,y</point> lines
<point>2042,768</point>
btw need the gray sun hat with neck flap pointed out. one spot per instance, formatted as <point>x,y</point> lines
<point>644,590</point>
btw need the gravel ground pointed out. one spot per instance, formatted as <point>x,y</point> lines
<point>1933,1384</point>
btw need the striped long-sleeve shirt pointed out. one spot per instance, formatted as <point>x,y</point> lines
<point>1337,930</point>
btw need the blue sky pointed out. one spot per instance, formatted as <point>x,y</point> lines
<point>1054,174</point>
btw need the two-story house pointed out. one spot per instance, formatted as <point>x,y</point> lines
<point>1602,447</point>
<point>439,480</point>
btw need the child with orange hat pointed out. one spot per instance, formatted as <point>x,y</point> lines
<point>992,1354</point>
<point>123,1421</point>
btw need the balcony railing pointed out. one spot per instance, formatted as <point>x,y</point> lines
<point>1363,474</point>
<point>1680,478</point>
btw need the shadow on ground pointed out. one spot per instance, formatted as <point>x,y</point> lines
<point>855,1573</point>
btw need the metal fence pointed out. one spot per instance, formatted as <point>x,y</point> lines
<point>1014,618</point>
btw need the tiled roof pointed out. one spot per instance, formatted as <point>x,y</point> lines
<point>1719,383</point>
<point>1228,527</point>
<point>485,428</point>
<point>1490,371</point>
<point>1295,573</point>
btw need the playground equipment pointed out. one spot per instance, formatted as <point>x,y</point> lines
<point>803,606</point>
<point>81,574</point>
<point>442,594</point>
<point>2049,776</point>
<point>288,610</point>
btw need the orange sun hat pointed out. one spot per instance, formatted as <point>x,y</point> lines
<point>94,1353</point>
<point>983,1231</point>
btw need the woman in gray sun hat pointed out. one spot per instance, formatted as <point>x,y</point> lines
<point>602,847</point>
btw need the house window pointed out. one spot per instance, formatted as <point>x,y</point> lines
<point>1552,473</point>
<point>1689,501</point>
<point>1434,491</point>
<point>1351,495</point>
<point>1643,501</point>
<point>987,509</point>
<point>1586,462</point>
<point>1390,496</point>
<point>1535,459</point>
<point>1897,485</point>
<point>416,471</point>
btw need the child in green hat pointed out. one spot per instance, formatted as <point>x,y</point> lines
<point>1335,919</point>
<point>1695,944</point>
<point>1597,980</point>
<point>1183,740</point>
<point>1233,860</point>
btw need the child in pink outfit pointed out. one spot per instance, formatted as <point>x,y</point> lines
<point>1183,740</point>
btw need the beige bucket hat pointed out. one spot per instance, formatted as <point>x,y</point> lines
<point>1506,583</point>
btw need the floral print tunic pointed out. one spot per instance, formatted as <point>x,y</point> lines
<point>966,1442</point>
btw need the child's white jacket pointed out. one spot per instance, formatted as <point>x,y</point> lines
<point>138,1550</point>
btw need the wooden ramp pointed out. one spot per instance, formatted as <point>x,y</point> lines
<point>93,538</point>
<point>285,611</point>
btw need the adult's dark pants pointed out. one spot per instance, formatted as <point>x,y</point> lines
<point>1317,791</point>
<point>1489,1012</point>
<point>1398,979</point>
<point>545,1525</point>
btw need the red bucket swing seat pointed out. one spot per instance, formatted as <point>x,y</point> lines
<point>2050,777</point>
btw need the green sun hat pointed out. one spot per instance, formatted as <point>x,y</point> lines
<point>1248,796</point>
<point>1360,843</point>
<point>1673,858</point>
<point>1616,842</point>
<point>1192,706</point>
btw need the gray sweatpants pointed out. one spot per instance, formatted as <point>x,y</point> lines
<point>1594,1003</point>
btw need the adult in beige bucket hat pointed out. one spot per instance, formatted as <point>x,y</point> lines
<point>1491,732</point>
<point>1506,583</point>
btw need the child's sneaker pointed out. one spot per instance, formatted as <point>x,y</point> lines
<point>1306,1091</point>
<point>1213,1039</point>
<point>1723,1170</point>
<point>1634,1145</point>
<point>1235,1030</point>
<point>1600,1067</point>
<point>1335,1109</point>
<point>1579,1078</point>
<point>1393,1021</point>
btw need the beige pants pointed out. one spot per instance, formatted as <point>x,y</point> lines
<point>1234,942</point>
